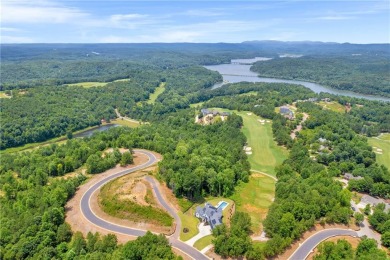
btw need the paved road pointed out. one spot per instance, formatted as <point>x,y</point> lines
<point>91,217</point>
<point>305,249</point>
<point>163,203</point>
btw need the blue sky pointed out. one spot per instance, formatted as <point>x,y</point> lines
<point>56,21</point>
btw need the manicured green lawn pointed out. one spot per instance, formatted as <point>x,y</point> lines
<point>203,242</point>
<point>266,154</point>
<point>385,137</point>
<point>254,198</point>
<point>188,221</point>
<point>382,157</point>
<point>160,89</point>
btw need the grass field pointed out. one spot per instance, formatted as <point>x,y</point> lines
<point>266,154</point>
<point>203,242</point>
<point>121,80</point>
<point>89,84</point>
<point>254,198</point>
<point>382,142</point>
<point>251,93</point>
<point>190,222</point>
<point>160,89</point>
<point>3,95</point>
<point>197,104</point>
<point>125,123</point>
<point>385,137</point>
<point>257,195</point>
<point>334,106</point>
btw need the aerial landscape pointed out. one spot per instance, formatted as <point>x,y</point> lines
<point>195,130</point>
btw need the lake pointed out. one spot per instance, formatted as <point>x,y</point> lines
<point>238,72</point>
<point>90,132</point>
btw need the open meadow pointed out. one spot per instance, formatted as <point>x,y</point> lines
<point>160,89</point>
<point>381,147</point>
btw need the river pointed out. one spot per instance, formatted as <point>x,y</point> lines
<point>238,72</point>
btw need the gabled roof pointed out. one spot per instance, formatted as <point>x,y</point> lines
<point>210,214</point>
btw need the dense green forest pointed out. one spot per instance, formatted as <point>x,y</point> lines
<point>41,113</point>
<point>380,221</point>
<point>330,145</point>
<point>366,249</point>
<point>25,66</point>
<point>363,73</point>
<point>31,65</point>
<point>198,160</point>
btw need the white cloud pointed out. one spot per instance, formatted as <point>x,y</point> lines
<point>39,12</point>
<point>195,32</point>
<point>129,21</point>
<point>9,29</point>
<point>336,17</point>
<point>126,17</point>
<point>16,39</point>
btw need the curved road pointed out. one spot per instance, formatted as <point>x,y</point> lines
<point>306,248</point>
<point>91,217</point>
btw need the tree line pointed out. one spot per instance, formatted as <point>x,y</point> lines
<point>365,73</point>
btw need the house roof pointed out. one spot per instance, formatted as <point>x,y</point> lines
<point>349,176</point>
<point>284,110</point>
<point>367,199</point>
<point>210,214</point>
<point>205,111</point>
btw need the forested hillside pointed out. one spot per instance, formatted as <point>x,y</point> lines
<point>41,113</point>
<point>329,146</point>
<point>368,74</point>
<point>198,160</point>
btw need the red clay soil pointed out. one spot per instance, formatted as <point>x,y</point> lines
<point>73,213</point>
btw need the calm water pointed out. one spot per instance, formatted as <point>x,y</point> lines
<point>90,132</point>
<point>233,73</point>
